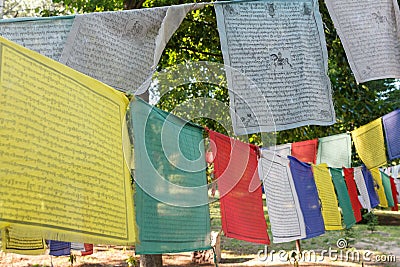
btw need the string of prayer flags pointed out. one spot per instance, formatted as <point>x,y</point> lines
<point>394,194</point>
<point>235,168</point>
<point>369,32</point>
<point>387,188</point>
<point>391,124</point>
<point>282,150</point>
<point>335,150</point>
<point>377,180</point>
<point>369,183</point>
<point>352,190</point>
<point>308,197</point>
<point>59,248</point>
<point>20,242</point>
<point>61,152</point>
<point>122,48</point>
<point>285,215</point>
<point>343,197</point>
<point>327,196</point>
<point>46,36</point>
<point>291,87</point>
<point>369,143</point>
<point>171,185</point>
<point>305,151</point>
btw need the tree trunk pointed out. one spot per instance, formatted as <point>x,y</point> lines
<point>151,260</point>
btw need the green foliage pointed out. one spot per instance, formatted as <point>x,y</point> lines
<point>372,221</point>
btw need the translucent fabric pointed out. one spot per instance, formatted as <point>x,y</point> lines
<point>369,143</point>
<point>335,150</point>
<point>352,190</point>
<point>327,196</point>
<point>391,124</point>
<point>171,185</point>
<point>308,195</point>
<point>376,176</point>
<point>343,197</point>
<point>305,151</point>
<point>235,167</point>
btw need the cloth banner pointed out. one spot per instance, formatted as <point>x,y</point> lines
<point>369,143</point>
<point>352,189</point>
<point>343,197</point>
<point>369,32</point>
<point>46,36</point>
<point>305,151</point>
<point>88,249</point>
<point>64,172</point>
<point>391,124</point>
<point>285,216</point>
<point>394,194</point>
<point>275,87</point>
<point>235,168</point>
<point>388,189</point>
<point>369,183</point>
<point>19,242</point>
<point>308,197</point>
<point>362,188</point>
<point>327,196</point>
<point>171,185</point>
<point>77,246</point>
<point>377,179</point>
<point>283,150</point>
<point>335,150</point>
<point>59,248</point>
<point>122,48</point>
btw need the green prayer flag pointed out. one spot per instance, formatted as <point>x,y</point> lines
<point>387,188</point>
<point>170,178</point>
<point>343,197</point>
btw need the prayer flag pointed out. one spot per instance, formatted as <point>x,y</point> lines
<point>369,182</point>
<point>327,196</point>
<point>352,189</point>
<point>391,124</point>
<point>376,176</point>
<point>170,180</point>
<point>335,150</point>
<point>387,188</point>
<point>308,196</point>
<point>59,248</point>
<point>62,163</point>
<point>235,168</point>
<point>285,215</point>
<point>369,143</point>
<point>305,151</point>
<point>343,197</point>
<point>275,87</point>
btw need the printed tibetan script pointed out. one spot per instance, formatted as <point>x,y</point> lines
<point>280,46</point>
<point>369,31</point>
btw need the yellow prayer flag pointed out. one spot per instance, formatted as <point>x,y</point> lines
<point>62,168</point>
<point>327,195</point>
<point>376,175</point>
<point>369,143</point>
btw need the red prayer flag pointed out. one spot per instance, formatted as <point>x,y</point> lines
<point>394,194</point>
<point>88,249</point>
<point>352,189</point>
<point>235,167</point>
<point>305,151</point>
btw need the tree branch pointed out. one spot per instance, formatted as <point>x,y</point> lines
<point>201,52</point>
